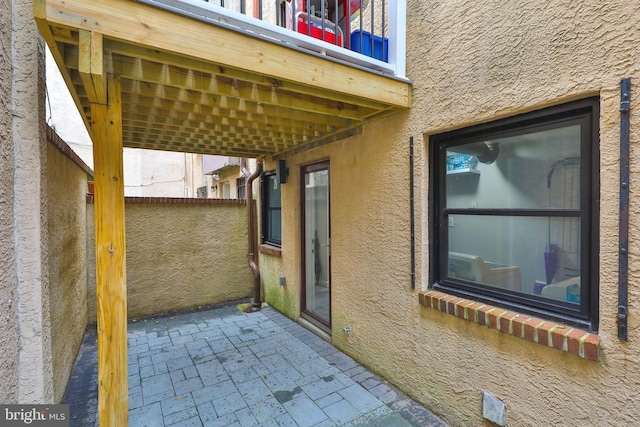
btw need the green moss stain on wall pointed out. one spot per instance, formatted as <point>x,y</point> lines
<point>280,300</point>
<point>278,296</point>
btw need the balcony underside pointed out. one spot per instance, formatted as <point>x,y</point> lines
<point>190,86</point>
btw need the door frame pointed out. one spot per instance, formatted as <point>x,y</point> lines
<point>309,316</point>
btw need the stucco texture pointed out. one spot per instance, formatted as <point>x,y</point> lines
<point>179,256</point>
<point>471,62</point>
<point>8,280</point>
<point>285,298</point>
<point>66,191</point>
<point>35,382</point>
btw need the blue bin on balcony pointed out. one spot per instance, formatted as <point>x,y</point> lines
<point>380,46</point>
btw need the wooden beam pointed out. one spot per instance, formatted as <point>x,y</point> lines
<point>110,259</point>
<point>132,52</point>
<point>57,50</point>
<point>158,29</point>
<point>138,51</point>
<point>91,66</point>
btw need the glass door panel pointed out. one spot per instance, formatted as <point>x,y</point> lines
<point>316,295</point>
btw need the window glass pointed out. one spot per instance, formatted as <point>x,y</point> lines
<point>273,190</point>
<point>498,252</point>
<point>275,230</point>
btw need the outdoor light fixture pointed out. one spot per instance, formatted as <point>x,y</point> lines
<point>281,171</point>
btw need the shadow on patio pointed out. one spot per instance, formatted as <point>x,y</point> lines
<point>221,366</point>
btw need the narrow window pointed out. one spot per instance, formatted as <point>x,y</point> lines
<point>241,189</point>
<point>515,213</point>
<point>271,210</point>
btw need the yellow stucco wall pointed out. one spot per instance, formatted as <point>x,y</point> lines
<point>472,62</point>
<point>66,190</point>
<point>180,256</point>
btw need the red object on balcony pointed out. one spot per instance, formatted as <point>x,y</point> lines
<point>354,6</point>
<point>302,26</point>
<point>335,12</point>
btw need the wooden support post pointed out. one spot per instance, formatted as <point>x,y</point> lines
<point>113,406</point>
<point>91,66</point>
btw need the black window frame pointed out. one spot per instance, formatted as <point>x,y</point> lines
<point>585,111</point>
<point>268,208</point>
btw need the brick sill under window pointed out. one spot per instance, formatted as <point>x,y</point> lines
<point>269,250</point>
<point>544,332</point>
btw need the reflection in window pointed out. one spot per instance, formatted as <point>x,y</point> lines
<point>271,210</point>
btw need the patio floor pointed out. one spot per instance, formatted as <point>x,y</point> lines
<point>222,367</point>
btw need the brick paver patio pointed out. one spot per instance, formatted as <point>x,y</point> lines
<point>223,367</point>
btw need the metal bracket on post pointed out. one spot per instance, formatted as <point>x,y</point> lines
<point>623,231</point>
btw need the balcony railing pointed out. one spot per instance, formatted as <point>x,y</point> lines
<point>365,33</point>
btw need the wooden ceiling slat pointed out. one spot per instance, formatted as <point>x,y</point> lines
<point>234,145</point>
<point>216,115</point>
<point>170,126</point>
<point>179,77</point>
<point>229,106</point>
<point>174,126</point>
<point>267,116</point>
<point>199,126</point>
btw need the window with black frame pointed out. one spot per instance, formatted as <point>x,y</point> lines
<point>271,210</point>
<point>515,212</point>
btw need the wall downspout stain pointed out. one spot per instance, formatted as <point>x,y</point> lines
<point>256,305</point>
